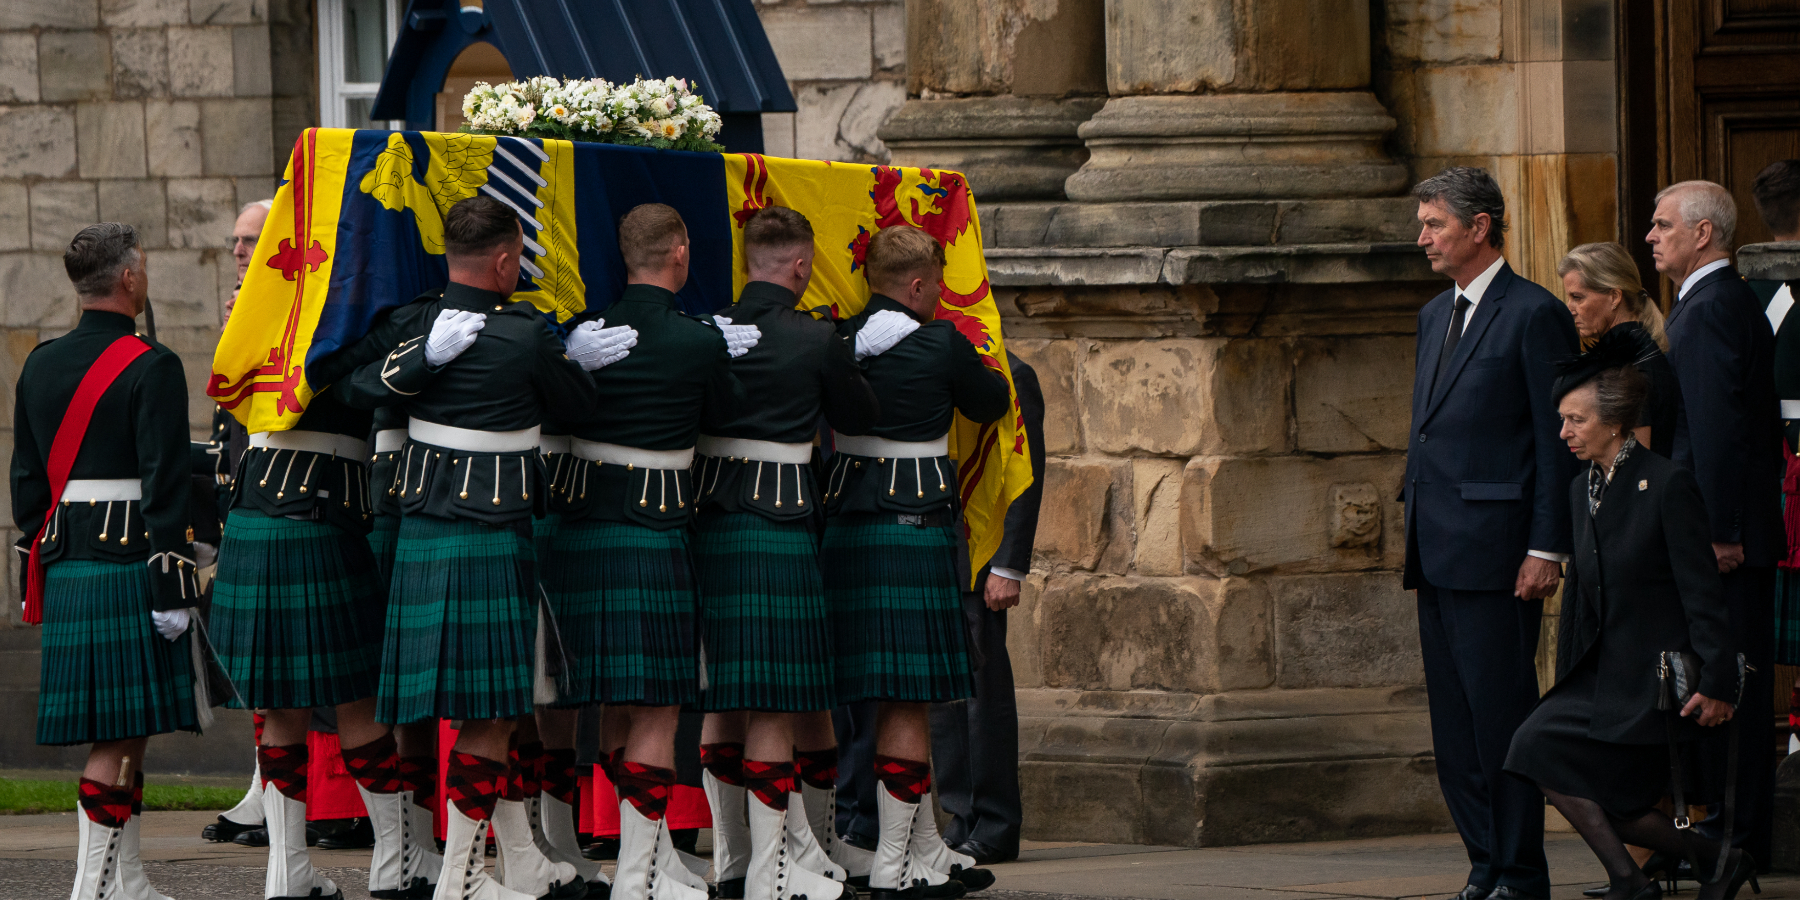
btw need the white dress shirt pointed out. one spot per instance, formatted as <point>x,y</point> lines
<point>1004,572</point>
<point>1700,273</point>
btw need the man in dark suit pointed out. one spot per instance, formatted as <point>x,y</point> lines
<point>1487,520</point>
<point>1723,351</point>
<point>975,743</point>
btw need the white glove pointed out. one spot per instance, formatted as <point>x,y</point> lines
<point>593,345</point>
<point>738,338</point>
<point>883,330</point>
<point>170,624</point>
<point>451,334</point>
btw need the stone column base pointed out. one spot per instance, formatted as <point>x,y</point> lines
<point>1145,767</point>
<point>1234,146</point>
<point>1010,148</point>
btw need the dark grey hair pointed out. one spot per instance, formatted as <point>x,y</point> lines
<point>98,254</point>
<point>1468,192</point>
<point>1619,396</point>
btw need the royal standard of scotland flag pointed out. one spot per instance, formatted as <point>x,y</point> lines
<point>357,228</point>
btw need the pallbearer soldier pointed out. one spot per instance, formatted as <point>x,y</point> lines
<point>889,555</point>
<point>100,424</point>
<point>461,612</point>
<point>619,573</point>
<point>768,639</point>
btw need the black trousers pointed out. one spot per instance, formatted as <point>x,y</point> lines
<point>975,743</point>
<point>1750,594</point>
<point>857,815</point>
<point>1481,680</point>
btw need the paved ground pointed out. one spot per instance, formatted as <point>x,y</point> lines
<point>36,854</point>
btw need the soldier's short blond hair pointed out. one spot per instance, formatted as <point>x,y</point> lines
<point>649,234</point>
<point>902,252</point>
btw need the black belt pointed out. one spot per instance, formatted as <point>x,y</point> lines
<point>941,518</point>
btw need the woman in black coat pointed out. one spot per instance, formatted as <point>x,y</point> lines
<point>1643,580</point>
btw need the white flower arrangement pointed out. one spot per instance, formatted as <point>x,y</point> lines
<point>650,113</point>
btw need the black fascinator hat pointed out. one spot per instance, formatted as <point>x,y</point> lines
<point>1616,349</point>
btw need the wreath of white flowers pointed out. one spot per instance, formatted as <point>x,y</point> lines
<point>658,112</point>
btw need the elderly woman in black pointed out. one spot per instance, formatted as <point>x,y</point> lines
<point>1643,580</point>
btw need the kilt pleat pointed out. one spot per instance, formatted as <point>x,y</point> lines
<point>460,624</point>
<point>762,604</point>
<point>625,599</point>
<point>296,615</point>
<point>105,674</point>
<point>543,534</point>
<point>382,540</point>
<point>896,611</point>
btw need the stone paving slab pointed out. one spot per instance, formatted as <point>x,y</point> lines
<point>37,852</point>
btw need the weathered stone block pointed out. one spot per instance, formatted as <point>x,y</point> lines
<point>49,14</point>
<point>15,217</point>
<point>37,140</point>
<point>821,43</point>
<point>1178,397</point>
<point>172,137</point>
<point>140,62</point>
<point>250,61</point>
<point>227,12</point>
<point>18,68</point>
<point>200,62</point>
<point>1099,225</point>
<point>1075,521</point>
<point>1156,46</point>
<point>236,137</point>
<point>888,33</point>
<point>201,211</point>
<point>111,139</point>
<point>35,291</point>
<point>1081,802</point>
<point>1024,649</point>
<point>143,13</point>
<point>15,345</point>
<point>1054,364</point>
<point>184,285</point>
<point>1357,630</point>
<point>1458,110</point>
<point>251,189</point>
<point>1246,515</point>
<point>1250,223</point>
<point>1353,394</point>
<point>1156,507</point>
<point>139,204</point>
<point>1443,30</point>
<point>839,122</point>
<point>59,209</point>
<point>1244,651</point>
<point>74,65</point>
<point>1338,800</point>
<point>1354,220</point>
<point>1127,634</point>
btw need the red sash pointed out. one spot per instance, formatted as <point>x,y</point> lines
<point>67,445</point>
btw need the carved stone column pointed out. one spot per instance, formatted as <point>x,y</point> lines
<point>996,91</point>
<point>1236,99</point>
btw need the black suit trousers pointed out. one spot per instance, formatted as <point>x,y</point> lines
<point>975,743</point>
<point>1480,651</point>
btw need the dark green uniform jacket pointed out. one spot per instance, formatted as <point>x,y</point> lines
<point>653,399</point>
<point>921,383</point>
<point>139,430</point>
<point>801,368</point>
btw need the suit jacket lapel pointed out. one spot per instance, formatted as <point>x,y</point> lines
<point>1436,325</point>
<point>1681,305</point>
<point>1472,331</point>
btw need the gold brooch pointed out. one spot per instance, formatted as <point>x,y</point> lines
<point>1644,485</point>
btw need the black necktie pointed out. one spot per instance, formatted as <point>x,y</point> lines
<point>1457,320</point>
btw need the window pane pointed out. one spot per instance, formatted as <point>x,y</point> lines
<point>356,113</point>
<point>365,40</point>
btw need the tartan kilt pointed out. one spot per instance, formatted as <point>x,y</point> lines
<point>105,674</point>
<point>896,611</point>
<point>625,599</point>
<point>762,606</point>
<point>543,536</point>
<point>382,540</point>
<point>296,614</point>
<point>460,624</point>
<point>1787,617</point>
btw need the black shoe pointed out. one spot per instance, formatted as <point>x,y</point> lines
<point>420,889</point>
<point>602,848</point>
<point>949,890</point>
<point>259,837</point>
<point>684,839</point>
<point>574,890</point>
<point>973,879</point>
<point>730,889</point>
<point>1739,868</point>
<point>1472,892</point>
<point>985,855</point>
<point>225,830</point>
<point>1508,892</point>
<point>858,841</point>
<point>346,834</point>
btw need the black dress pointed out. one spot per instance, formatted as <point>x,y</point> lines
<point>1663,410</point>
<point>1643,580</point>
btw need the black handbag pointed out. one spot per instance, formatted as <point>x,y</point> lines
<point>1678,677</point>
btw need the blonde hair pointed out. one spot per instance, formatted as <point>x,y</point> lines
<point>899,251</point>
<point>648,235</point>
<point>1606,267</point>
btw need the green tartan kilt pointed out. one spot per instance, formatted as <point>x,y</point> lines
<point>896,611</point>
<point>382,540</point>
<point>543,535</point>
<point>105,674</point>
<point>296,612</point>
<point>461,622</point>
<point>625,599</point>
<point>762,605</point>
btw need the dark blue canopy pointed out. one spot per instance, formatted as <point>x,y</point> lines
<point>718,45</point>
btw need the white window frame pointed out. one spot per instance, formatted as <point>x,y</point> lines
<point>333,89</point>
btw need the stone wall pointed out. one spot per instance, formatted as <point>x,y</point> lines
<point>846,64</point>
